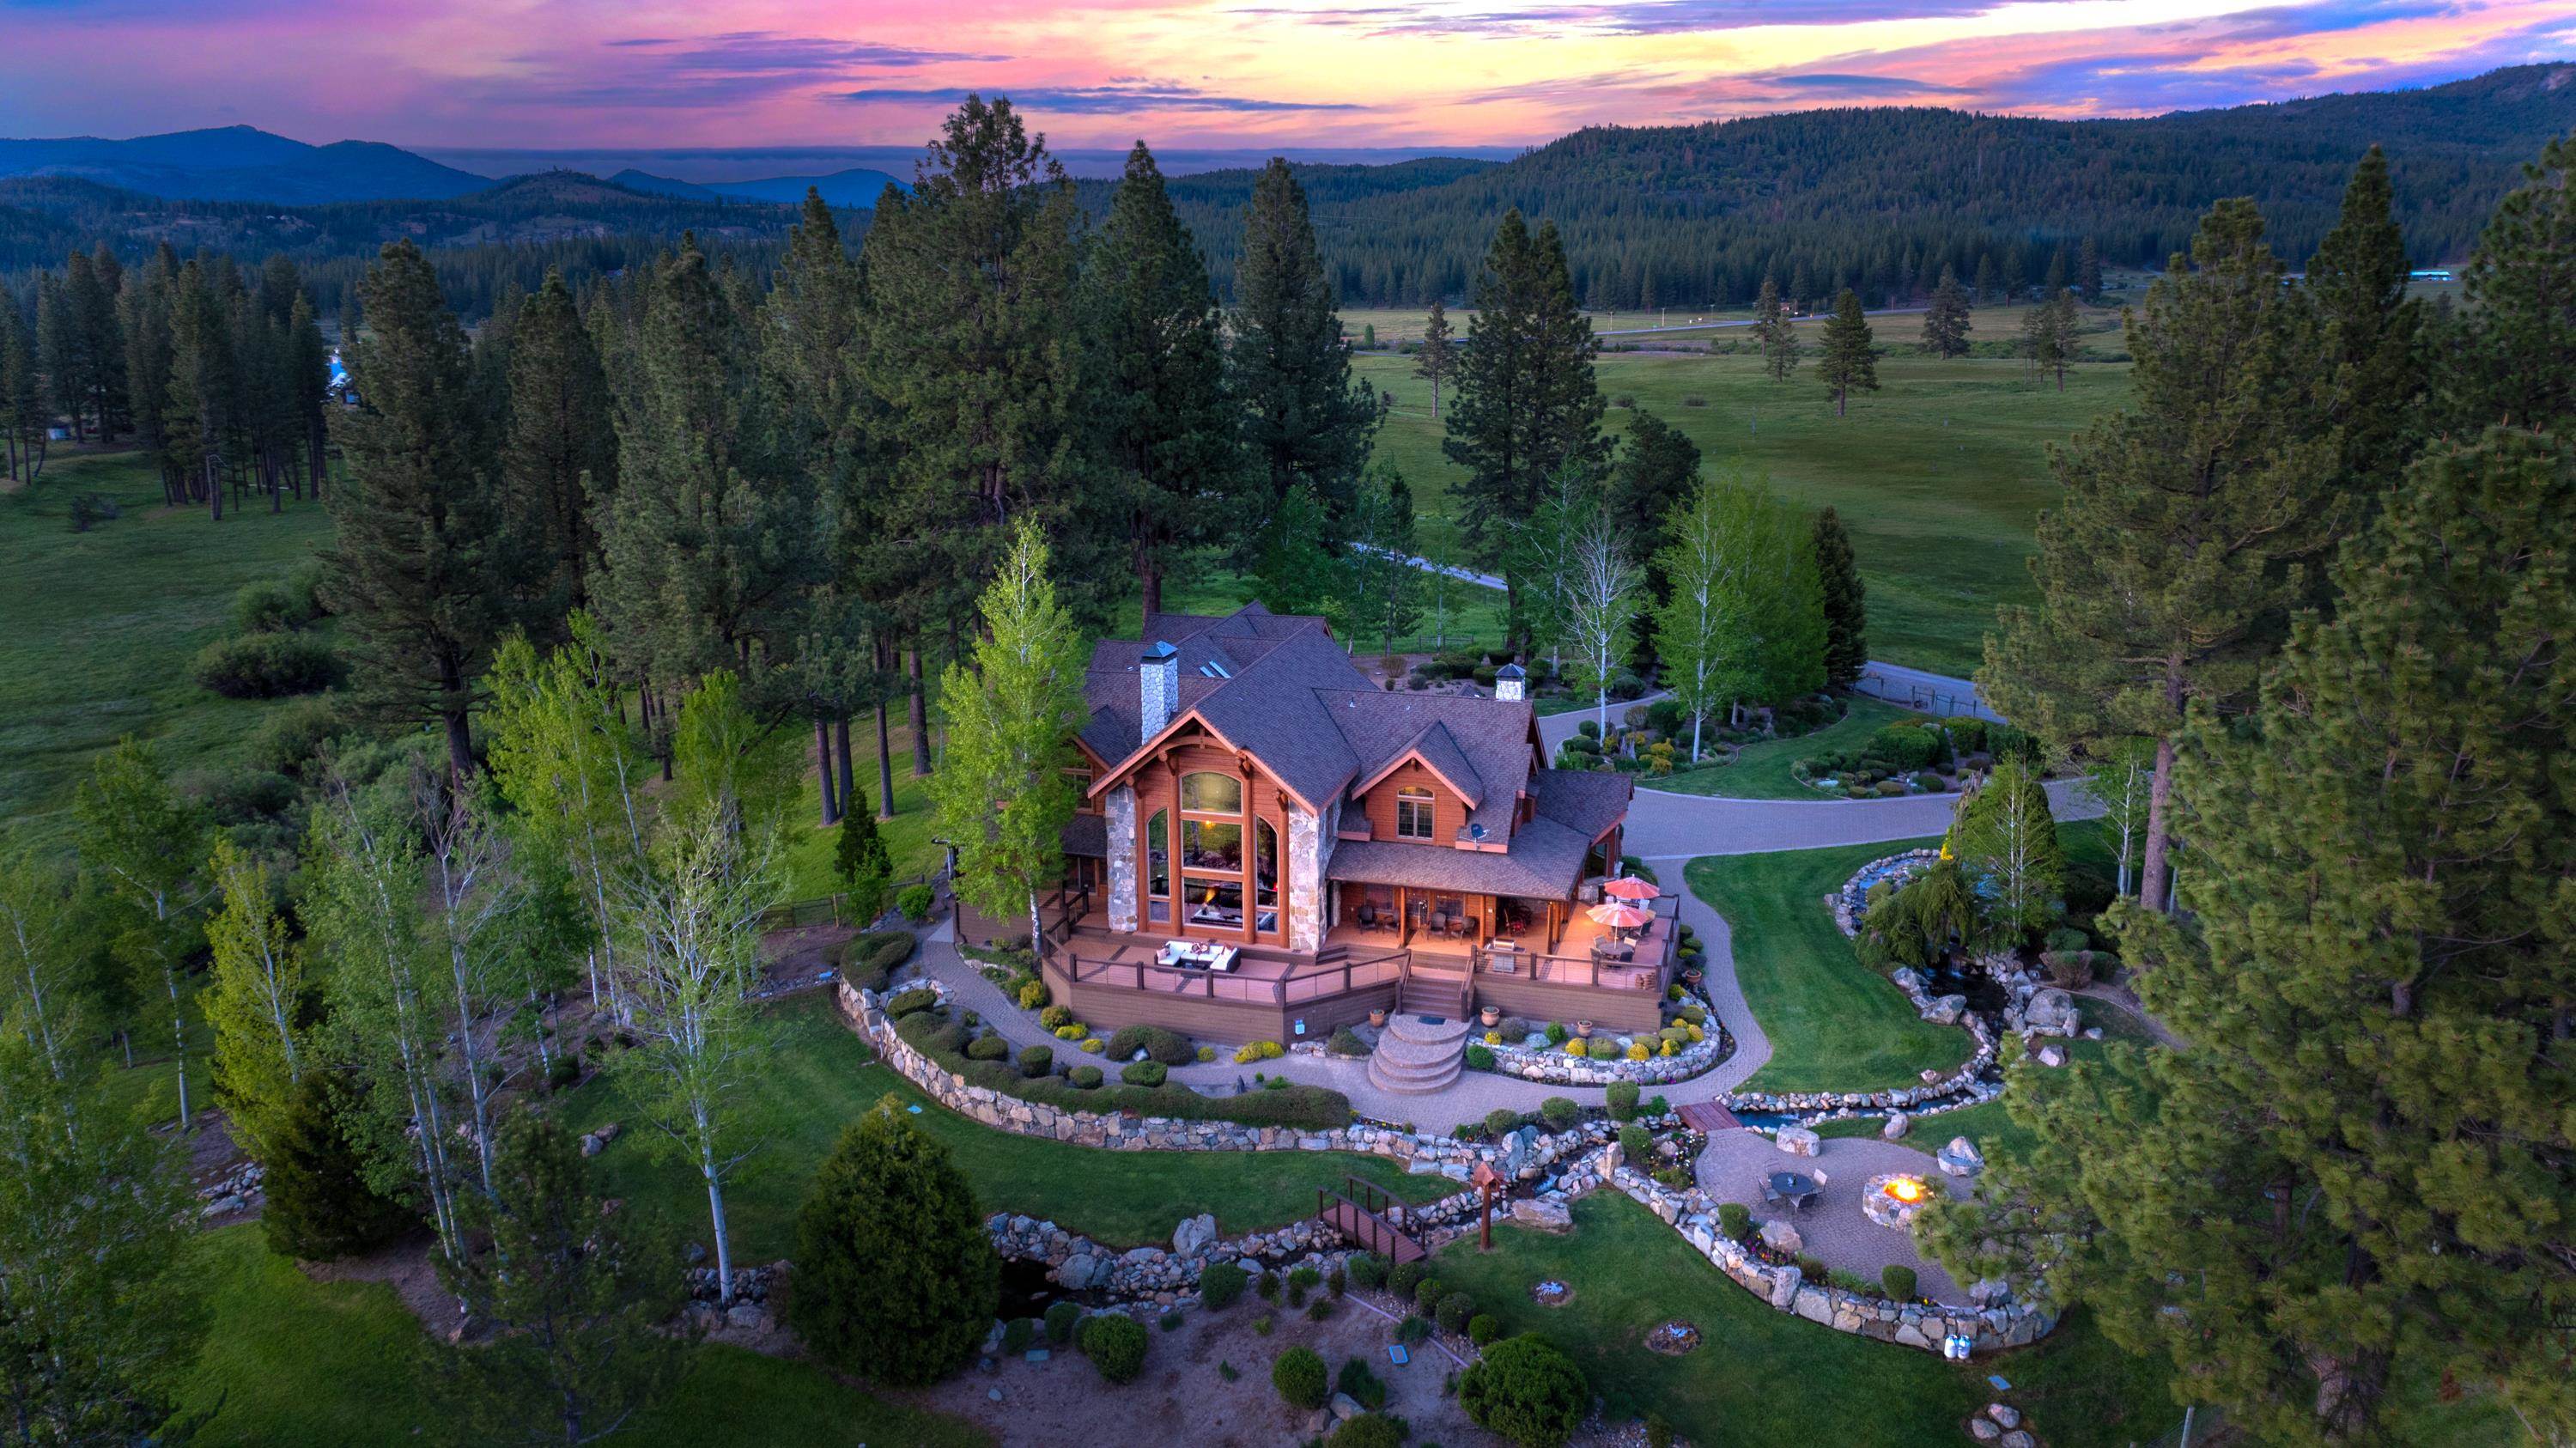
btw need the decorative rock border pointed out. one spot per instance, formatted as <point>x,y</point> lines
<point>1848,902</point>
<point>1907,1324</point>
<point>1553,1067</point>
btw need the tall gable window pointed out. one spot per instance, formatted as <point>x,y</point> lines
<point>1413,813</point>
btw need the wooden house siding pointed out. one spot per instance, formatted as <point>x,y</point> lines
<point>1448,811</point>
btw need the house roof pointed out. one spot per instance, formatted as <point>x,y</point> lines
<point>1087,835</point>
<point>1545,860</point>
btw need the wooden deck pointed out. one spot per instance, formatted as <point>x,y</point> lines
<point>1709,1116</point>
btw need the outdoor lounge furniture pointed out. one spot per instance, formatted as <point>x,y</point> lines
<point>1186,956</point>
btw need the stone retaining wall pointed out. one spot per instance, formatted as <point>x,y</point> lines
<point>1988,1329</point>
<point>1552,1066</point>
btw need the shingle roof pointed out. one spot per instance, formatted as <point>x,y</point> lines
<point>1544,862</point>
<point>1087,835</point>
<point>1586,802</point>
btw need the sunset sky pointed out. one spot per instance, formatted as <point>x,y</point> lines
<point>652,73</point>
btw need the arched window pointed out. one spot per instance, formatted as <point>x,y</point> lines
<point>1413,813</point>
<point>1158,866</point>
<point>1207,792</point>
<point>1265,874</point>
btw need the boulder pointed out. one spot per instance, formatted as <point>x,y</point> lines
<point>1798,1141</point>
<point>1784,1287</point>
<point>1541,1215</point>
<point>1780,1236</point>
<point>2052,1055</point>
<point>1983,1431</point>
<point>2004,1414</point>
<point>2018,1438</point>
<point>2051,1012</point>
<point>1080,1272</point>
<point>1898,1123</point>
<point>1344,1407</point>
<point>1946,1010</point>
<point>1989,1292</point>
<point>1194,1235</point>
<point>1961,1158</point>
<point>746,1317</point>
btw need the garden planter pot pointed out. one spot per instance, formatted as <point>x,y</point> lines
<point>1492,1016</point>
<point>1583,1029</point>
<point>1377,1019</point>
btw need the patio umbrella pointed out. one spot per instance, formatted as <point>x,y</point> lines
<point>1629,887</point>
<point>1619,915</point>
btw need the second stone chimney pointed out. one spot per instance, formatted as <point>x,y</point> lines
<point>1158,682</point>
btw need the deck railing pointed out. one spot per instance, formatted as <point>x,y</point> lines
<point>1333,973</point>
<point>1589,970</point>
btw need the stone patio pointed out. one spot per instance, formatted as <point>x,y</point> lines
<point>1834,1230</point>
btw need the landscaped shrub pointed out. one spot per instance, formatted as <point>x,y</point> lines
<point>868,959</point>
<point>1427,1294</point>
<point>1055,1016</point>
<point>904,1003</point>
<point>1299,1377</point>
<point>1304,1279</point>
<point>1455,1309</point>
<point>1320,1308</point>
<point>1638,1050</point>
<point>1220,1284</point>
<point>1252,1051</point>
<point>1967,732</point>
<point>1061,1318</point>
<point>1365,1387</point>
<point>1412,1331</point>
<point>1311,1108</point>
<point>1558,1112</point>
<point>1346,1042</point>
<point>1483,1328</point>
<point>1890,788</point>
<point>1735,1220</point>
<point>1018,1333</point>
<point>1084,1078</point>
<point>266,666</point>
<point>1578,1047</point>
<point>1636,1143</point>
<point>1368,1430</point>
<point>1336,1281</point>
<point>2066,938</point>
<point>1621,1098</point>
<point>1092,1046</point>
<point>987,1048</point>
<point>1480,1058</point>
<point>292,734</point>
<point>1906,746</point>
<point>1367,1269</point>
<point>893,1268</point>
<point>1897,1280</point>
<point>1502,1121</point>
<point>1170,1321</point>
<point>1404,1277</point>
<point>277,605</point>
<point>1073,1031</point>
<point>1526,1391</point>
<point>1143,1073</point>
<point>1036,1060</point>
<point>1556,1033</point>
<point>1032,994</point>
<point>1169,1047</point>
<point>913,901</point>
<point>1588,729</point>
<point>1115,1343</point>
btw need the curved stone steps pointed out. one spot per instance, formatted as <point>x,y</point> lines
<point>1417,1055</point>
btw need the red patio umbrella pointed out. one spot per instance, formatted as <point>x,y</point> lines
<point>1629,887</point>
<point>1619,915</point>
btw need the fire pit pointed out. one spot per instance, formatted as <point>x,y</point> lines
<point>1893,1199</point>
<point>1551,1293</point>
<point>1673,1338</point>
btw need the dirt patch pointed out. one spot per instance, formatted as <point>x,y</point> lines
<point>1183,1397</point>
<point>1551,1293</point>
<point>795,958</point>
<point>404,1267</point>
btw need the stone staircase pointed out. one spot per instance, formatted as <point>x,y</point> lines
<point>1418,1054</point>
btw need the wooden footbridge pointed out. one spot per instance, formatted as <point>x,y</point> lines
<point>1365,1216</point>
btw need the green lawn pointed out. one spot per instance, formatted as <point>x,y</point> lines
<point>808,855</point>
<point>1761,769</point>
<point>1989,1124</point>
<point>1767,1378</point>
<point>291,1361</point>
<point>1834,1024</point>
<point>102,626</point>
<point>821,1076</point>
<point>1938,476</point>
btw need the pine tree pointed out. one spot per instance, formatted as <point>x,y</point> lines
<point>144,314</point>
<point>1001,793</point>
<point>1945,321</point>
<point>560,459</point>
<point>422,571</point>
<point>578,1290</point>
<point>22,407</point>
<point>1988,284</point>
<point>2048,336</point>
<point>1437,359</point>
<point>860,862</point>
<point>1307,422</point>
<point>1528,407</point>
<point>2519,323</point>
<point>1656,470</point>
<point>2372,333</point>
<point>2356,1169</point>
<point>895,1277</point>
<point>2088,272</point>
<point>319,1206</point>
<point>1849,361</point>
<point>1845,602</point>
<point>1774,333</point>
<point>2167,567</point>
<point>2006,840</point>
<point>1166,424</point>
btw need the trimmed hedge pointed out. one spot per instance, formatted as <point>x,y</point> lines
<point>1300,1378</point>
<point>1143,1073</point>
<point>1220,1284</point>
<point>1036,1061</point>
<point>987,1048</point>
<point>910,1003</point>
<point>1115,1343</point>
<point>1169,1047</point>
<point>266,666</point>
<point>868,959</point>
<point>1309,1107</point>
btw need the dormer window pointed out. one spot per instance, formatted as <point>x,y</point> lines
<point>1413,813</point>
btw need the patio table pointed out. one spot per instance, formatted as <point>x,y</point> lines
<point>1794,1187</point>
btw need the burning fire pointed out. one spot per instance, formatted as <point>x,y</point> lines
<point>1906,1189</point>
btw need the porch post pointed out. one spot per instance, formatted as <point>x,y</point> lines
<point>1249,842</point>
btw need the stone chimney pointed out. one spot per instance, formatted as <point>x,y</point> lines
<point>1511,683</point>
<point>1158,685</point>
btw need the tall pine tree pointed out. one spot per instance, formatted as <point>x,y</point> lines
<point>1438,359</point>
<point>1945,321</point>
<point>1307,423</point>
<point>560,461</point>
<point>1166,424</point>
<point>2372,333</point>
<point>1846,602</point>
<point>1774,333</point>
<point>2520,324</point>
<point>1528,406</point>
<point>423,568</point>
<point>1849,361</point>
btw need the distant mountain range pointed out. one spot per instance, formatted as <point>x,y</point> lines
<point>241,163</point>
<point>856,189</point>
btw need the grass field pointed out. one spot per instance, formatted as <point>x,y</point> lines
<point>102,626</point>
<point>291,1361</point>
<point>1769,1378</point>
<point>1834,1024</point>
<point>1761,769</point>
<point>1938,476</point>
<point>821,1077</point>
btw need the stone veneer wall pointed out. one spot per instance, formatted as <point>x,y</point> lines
<point>1907,1324</point>
<point>1588,1163</point>
<point>1122,858</point>
<point>1309,838</point>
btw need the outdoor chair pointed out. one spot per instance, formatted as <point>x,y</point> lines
<point>1368,917</point>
